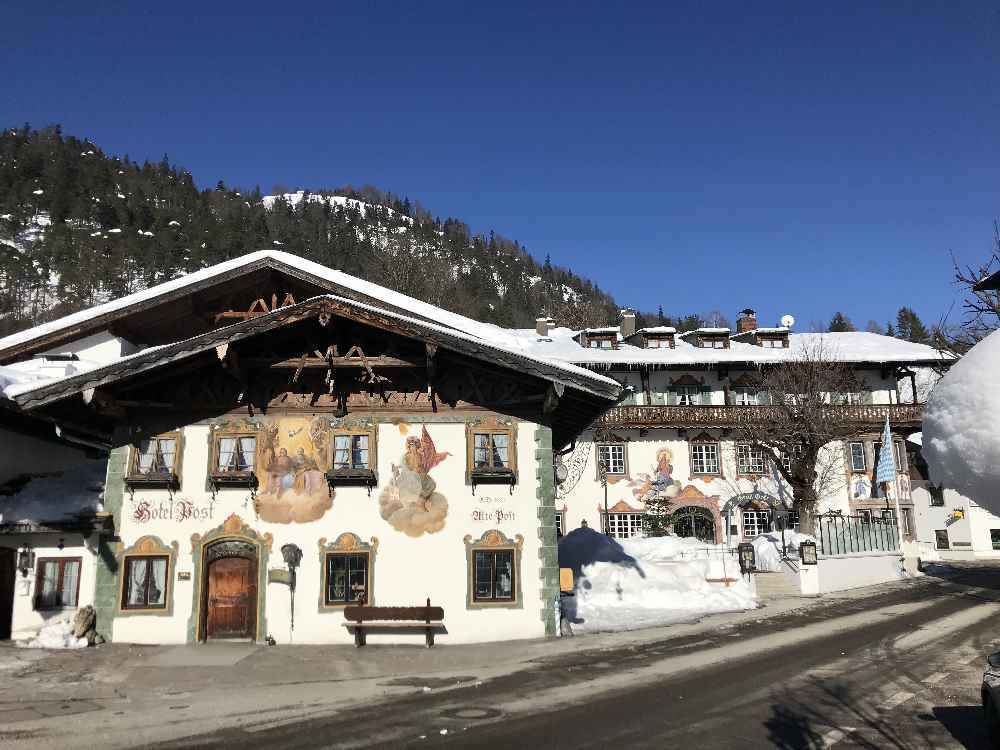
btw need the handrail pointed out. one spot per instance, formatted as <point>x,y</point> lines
<point>737,416</point>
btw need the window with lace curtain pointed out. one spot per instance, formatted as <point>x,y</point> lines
<point>145,585</point>
<point>156,456</point>
<point>235,454</point>
<point>57,583</point>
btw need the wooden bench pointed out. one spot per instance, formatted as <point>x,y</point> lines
<point>361,619</point>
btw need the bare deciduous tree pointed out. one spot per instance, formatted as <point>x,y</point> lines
<point>981,308</point>
<point>804,421</point>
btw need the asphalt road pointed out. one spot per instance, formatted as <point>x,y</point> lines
<point>897,670</point>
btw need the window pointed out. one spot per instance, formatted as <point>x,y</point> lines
<point>772,343</point>
<point>900,456</point>
<point>57,583</point>
<point>491,450</point>
<point>941,539</point>
<point>235,453</point>
<point>688,395</point>
<point>156,456</point>
<point>612,456</point>
<point>351,452</point>
<point>712,343</point>
<point>858,457</point>
<point>560,523</point>
<point>622,525</point>
<point>705,458</point>
<point>792,520</point>
<point>995,538</point>
<point>866,515</point>
<point>854,398</point>
<point>145,585</point>
<point>346,578</point>
<point>746,397</point>
<point>937,495</point>
<point>750,459</point>
<point>756,522</point>
<point>653,343</point>
<point>494,575</point>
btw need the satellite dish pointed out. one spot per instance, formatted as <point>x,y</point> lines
<point>787,321</point>
<point>562,473</point>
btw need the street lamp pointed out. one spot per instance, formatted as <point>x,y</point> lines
<point>602,475</point>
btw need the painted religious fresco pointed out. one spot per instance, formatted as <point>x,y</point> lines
<point>411,502</point>
<point>659,484</point>
<point>292,454</point>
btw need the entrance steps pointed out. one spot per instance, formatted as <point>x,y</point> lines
<point>777,585</point>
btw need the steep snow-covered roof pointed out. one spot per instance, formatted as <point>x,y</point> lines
<point>374,292</point>
<point>657,329</point>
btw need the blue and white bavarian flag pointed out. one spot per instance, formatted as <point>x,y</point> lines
<point>886,469</point>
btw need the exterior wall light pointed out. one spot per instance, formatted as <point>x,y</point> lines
<point>807,553</point>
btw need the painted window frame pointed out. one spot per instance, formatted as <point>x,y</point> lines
<point>492,555</point>
<point>217,438</point>
<point>608,445</point>
<point>127,561</point>
<point>704,441</point>
<point>170,478</point>
<point>347,543</point>
<point>147,546</point>
<point>493,540</point>
<point>756,514</point>
<point>632,521</point>
<point>328,557</point>
<point>352,437</point>
<point>36,604</point>
<point>491,426</point>
<point>745,465</point>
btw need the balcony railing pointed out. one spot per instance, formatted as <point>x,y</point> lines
<point>737,416</point>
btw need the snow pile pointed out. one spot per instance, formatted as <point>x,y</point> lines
<point>961,442</point>
<point>767,549</point>
<point>52,497</point>
<point>55,634</point>
<point>639,583</point>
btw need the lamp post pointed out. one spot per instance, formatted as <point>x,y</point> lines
<point>602,475</point>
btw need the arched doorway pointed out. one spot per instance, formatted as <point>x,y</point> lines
<point>229,607</point>
<point>694,521</point>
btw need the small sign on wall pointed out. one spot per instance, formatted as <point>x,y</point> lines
<point>183,575</point>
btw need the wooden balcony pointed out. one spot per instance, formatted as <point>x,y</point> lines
<point>900,415</point>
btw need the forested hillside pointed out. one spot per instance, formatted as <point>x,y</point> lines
<point>79,226</point>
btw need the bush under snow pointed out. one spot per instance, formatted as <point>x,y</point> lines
<point>640,583</point>
<point>767,548</point>
<point>961,439</point>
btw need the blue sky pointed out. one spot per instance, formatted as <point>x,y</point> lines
<point>795,159</point>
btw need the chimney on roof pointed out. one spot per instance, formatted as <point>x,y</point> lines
<point>747,321</point>
<point>542,326</point>
<point>628,323</point>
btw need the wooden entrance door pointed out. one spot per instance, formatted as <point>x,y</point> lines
<point>231,605</point>
<point>7,578</point>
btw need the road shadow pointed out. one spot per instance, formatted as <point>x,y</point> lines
<point>966,724</point>
<point>983,574</point>
<point>802,718</point>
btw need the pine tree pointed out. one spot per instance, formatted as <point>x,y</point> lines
<point>840,323</point>
<point>889,330</point>
<point>661,319</point>
<point>874,327</point>
<point>910,327</point>
<point>658,518</point>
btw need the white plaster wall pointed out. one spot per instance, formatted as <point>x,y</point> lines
<point>23,454</point>
<point>406,570</point>
<point>27,620</point>
<point>929,518</point>
<point>851,571</point>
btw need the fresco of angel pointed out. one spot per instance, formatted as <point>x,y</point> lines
<point>661,482</point>
<point>411,502</point>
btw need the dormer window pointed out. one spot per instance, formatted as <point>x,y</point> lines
<point>708,338</point>
<point>767,338</point>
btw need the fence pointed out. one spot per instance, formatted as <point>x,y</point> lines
<point>842,535</point>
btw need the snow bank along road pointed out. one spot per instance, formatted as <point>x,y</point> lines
<point>898,668</point>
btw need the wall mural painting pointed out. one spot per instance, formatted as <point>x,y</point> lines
<point>861,488</point>
<point>292,454</point>
<point>659,484</point>
<point>411,502</point>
